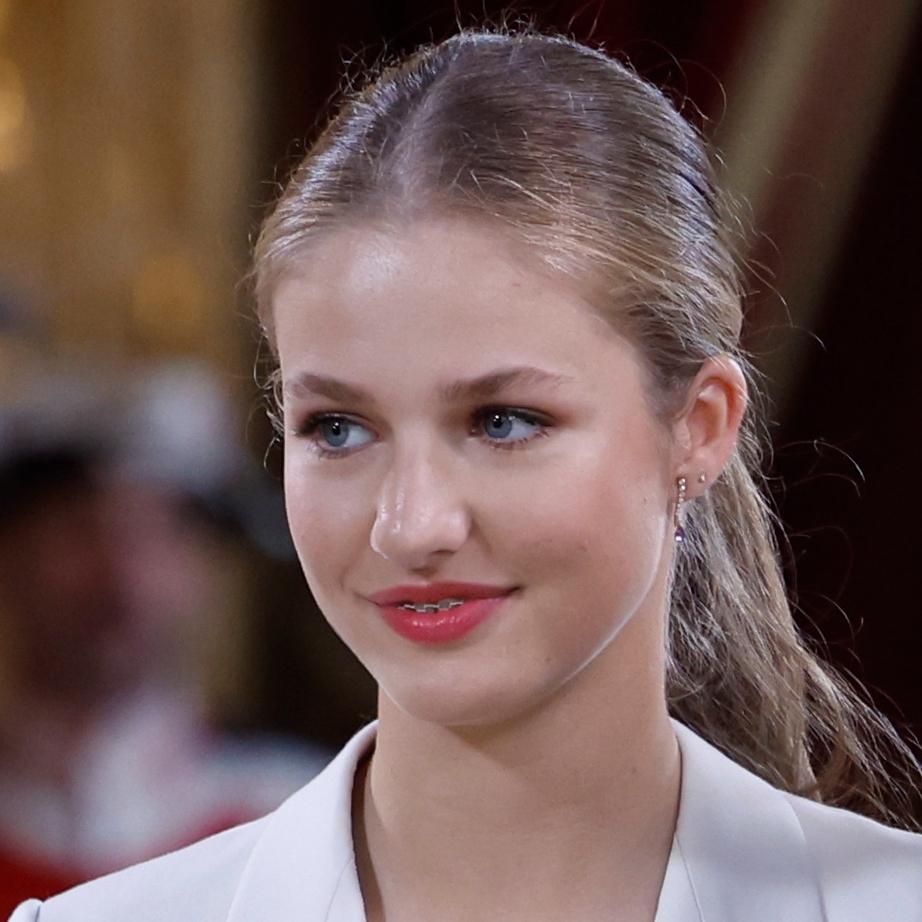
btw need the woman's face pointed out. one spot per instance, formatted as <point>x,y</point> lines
<point>559,485</point>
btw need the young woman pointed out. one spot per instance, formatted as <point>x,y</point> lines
<point>520,469</point>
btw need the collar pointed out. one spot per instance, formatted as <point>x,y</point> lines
<point>738,851</point>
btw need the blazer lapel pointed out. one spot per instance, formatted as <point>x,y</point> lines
<point>303,866</point>
<point>742,845</point>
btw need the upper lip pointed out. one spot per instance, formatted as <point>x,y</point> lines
<point>434,592</point>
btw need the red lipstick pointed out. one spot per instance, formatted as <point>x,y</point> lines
<point>439,623</point>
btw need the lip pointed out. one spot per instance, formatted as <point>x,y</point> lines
<point>441,626</point>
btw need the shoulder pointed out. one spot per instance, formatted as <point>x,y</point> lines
<point>740,836</point>
<point>204,876</point>
<point>866,868</point>
<point>289,864</point>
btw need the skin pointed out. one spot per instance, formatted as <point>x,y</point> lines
<point>528,770</point>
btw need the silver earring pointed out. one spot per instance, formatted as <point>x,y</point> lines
<point>681,487</point>
<point>702,477</point>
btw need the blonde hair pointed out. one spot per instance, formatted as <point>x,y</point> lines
<point>596,169</point>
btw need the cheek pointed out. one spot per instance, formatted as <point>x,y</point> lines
<point>322,523</point>
<point>590,544</point>
<point>593,513</point>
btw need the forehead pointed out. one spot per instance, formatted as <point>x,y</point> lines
<point>435,294</point>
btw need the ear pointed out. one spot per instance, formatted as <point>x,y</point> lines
<point>706,428</point>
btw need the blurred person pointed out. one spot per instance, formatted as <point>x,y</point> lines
<point>111,571</point>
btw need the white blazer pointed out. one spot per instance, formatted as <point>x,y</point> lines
<point>743,852</point>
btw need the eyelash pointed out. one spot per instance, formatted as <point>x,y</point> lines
<point>313,423</point>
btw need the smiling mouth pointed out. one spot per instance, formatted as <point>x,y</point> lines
<point>443,622</point>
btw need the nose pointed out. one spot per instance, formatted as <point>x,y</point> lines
<point>420,512</point>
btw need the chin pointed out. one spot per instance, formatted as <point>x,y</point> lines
<point>464,700</point>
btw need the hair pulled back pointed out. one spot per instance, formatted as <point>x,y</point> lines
<point>596,169</point>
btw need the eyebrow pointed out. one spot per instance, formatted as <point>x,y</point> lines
<point>479,388</point>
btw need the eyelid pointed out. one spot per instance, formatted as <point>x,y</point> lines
<point>313,420</point>
<point>532,417</point>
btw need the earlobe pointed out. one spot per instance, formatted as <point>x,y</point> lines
<point>709,423</point>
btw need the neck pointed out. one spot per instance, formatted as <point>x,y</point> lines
<point>581,792</point>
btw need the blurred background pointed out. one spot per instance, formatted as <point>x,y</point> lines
<point>164,669</point>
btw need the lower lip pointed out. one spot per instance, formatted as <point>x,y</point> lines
<point>441,626</point>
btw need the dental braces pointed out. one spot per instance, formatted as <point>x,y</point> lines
<point>443,605</point>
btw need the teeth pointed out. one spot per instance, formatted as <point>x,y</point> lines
<point>442,605</point>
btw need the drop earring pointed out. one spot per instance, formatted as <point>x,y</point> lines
<point>681,486</point>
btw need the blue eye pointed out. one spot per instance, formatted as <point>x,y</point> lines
<point>503,422</point>
<point>335,430</point>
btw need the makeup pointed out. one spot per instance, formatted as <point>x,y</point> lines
<point>436,613</point>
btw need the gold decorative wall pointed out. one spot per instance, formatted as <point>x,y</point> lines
<point>126,130</point>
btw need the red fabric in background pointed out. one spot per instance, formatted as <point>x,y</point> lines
<point>23,877</point>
